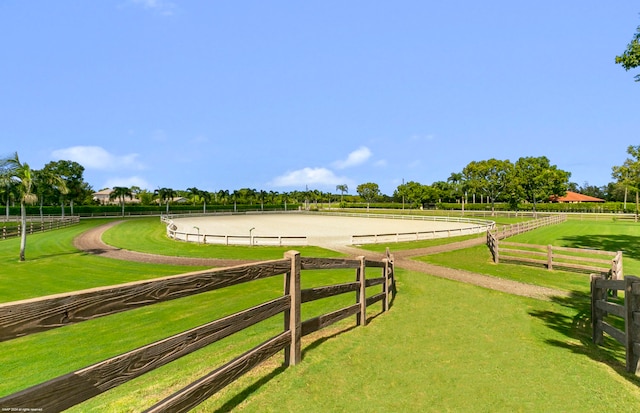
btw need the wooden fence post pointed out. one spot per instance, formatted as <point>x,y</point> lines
<point>361,297</point>
<point>616,267</point>
<point>385,285</point>
<point>292,319</point>
<point>597,293</point>
<point>632,323</point>
<point>549,257</point>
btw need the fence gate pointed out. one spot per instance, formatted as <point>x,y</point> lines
<point>602,310</point>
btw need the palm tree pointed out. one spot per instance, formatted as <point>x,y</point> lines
<point>206,197</point>
<point>23,176</point>
<point>195,194</point>
<point>342,188</point>
<point>165,195</point>
<point>120,193</point>
<point>222,196</point>
<point>457,184</point>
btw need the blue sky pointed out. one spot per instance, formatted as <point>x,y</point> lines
<point>283,95</point>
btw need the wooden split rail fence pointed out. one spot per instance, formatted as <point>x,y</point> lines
<point>504,231</point>
<point>41,314</point>
<point>551,256</point>
<point>605,306</point>
<point>564,258</point>
<point>39,225</point>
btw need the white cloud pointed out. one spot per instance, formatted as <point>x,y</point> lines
<point>355,158</point>
<point>96,157</point>
<point>308,176</point>
<point>127,182</point>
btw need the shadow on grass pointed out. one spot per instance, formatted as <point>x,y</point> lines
<point>628,244</point>
<point>579,333</point>
<point>235,402</point>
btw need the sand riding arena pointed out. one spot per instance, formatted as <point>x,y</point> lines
<point>301,228</point>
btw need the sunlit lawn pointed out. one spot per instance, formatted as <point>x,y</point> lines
<point>443,346</point>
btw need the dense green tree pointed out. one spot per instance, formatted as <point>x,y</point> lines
<point>593,190</point>
<point>413,193</point>
<point>628,174</point>
<point>630,59</point>
<point>490,177</point>
<point>535,179</point>
<point>442,191</point>
<point>145,197</point>
<point>46,182</point>
<point>72,174</point>
<point>369,192</point>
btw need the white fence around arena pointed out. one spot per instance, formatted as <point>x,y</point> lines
<point>477,226</point>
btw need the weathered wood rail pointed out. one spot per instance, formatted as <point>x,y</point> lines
<point>505,231</point>
<point>40,314</point>
<point>551,257</point>
<point>602,309</point>
<point>38,225</point>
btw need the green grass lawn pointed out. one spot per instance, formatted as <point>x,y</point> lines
<point>54,266</point>
<point>479,351</point>
<point>443,346</point>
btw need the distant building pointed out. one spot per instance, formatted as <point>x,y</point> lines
<point>574,198</point>
<point>174,200</point>
<point>103,198</point>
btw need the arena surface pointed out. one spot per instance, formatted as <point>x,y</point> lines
<point>319,229</point>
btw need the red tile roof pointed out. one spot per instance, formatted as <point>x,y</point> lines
<point>575,197</point>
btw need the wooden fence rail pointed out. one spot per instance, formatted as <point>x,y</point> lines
<point>38,225</point>
<point>602,309</point>
<point>551,257</point>
<point>548,255</point>
<point>40,314</point>
<point>504,231</point>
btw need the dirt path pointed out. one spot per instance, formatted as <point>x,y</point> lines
<point>91,242</point>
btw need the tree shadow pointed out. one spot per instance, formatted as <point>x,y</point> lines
<point>236,400</point>
<point>628,244</point>
<point>578,330</point>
